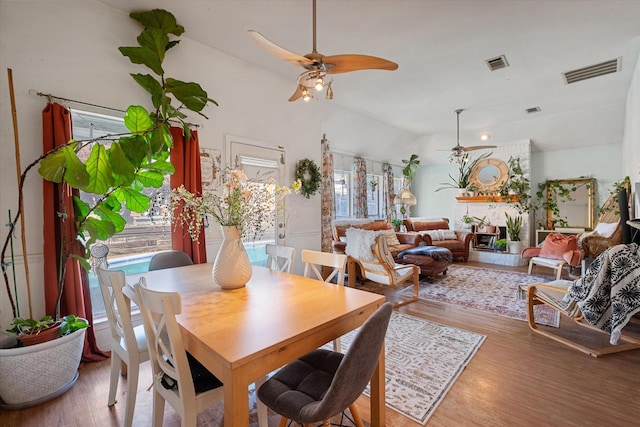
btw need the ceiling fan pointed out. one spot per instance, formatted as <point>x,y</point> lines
<point>458,153</point>
<point>317,66</point>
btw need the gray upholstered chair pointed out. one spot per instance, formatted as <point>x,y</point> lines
<point>169,259</point>
<point>324,383</point>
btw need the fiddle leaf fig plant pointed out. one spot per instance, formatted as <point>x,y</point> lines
<point>116,169</point>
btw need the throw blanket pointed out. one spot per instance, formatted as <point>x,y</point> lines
<point>609,292</point>
<point>435,252</point>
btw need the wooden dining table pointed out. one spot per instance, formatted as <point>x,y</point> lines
<point>243,334</point>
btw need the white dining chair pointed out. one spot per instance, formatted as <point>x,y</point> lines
<point>281,258</point>
<point>314,264</point>
<point>128,343</point>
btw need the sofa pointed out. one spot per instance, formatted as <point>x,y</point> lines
<point>404,240</point>
<point>436,232</point>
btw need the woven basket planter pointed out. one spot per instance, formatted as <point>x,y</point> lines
<point>38,373</point>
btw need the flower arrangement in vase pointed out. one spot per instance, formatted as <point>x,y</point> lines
<point>242,208</point>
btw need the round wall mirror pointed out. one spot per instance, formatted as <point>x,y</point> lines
<point>489,174</point>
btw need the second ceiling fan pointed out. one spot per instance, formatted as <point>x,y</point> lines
<point>318,66</point>
<point>457,152</point>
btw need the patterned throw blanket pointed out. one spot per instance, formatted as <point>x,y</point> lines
<point>609,292</point>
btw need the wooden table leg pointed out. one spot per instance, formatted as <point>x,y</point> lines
<point>236,402</point>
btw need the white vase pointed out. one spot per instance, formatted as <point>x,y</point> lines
<point>232,268</point>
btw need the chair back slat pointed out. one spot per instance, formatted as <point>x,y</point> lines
<point>314,260</point>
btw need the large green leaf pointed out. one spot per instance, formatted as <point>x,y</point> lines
<point>159,137</point>
<point>156,40</point>
<point>123,170</point>
<point>134,200</point>
<point>135,148</point>
<point>98,229</point>
<point>80,208</point>
<point>113,217</point>
<point>151,85</point>
<point>162,166</point>
<point>137,119</point>
<point>52,167</point>
<point>75,173</point>
<point>190,94</point>
<point>143,55</point>
<point>150,178</point>
<point>159,18</point>
<point>99,170</point>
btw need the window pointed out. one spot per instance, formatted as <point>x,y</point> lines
<point>374,196</point>
<point>145,233</point>
<point>342,183</point>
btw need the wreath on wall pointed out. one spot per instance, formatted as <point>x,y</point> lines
<point>309,175</point>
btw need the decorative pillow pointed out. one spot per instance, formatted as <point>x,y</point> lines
<point>391,238</point>
<point>606,229</point>
<point>434,234</point>
<point>556,245</point>
<point>449,235</point>
<point>441,234</point>
<point>360,242</point>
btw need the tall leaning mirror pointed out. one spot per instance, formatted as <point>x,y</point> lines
<point>571,203</point>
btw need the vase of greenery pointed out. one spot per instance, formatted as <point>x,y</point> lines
<point>500,244</point>
<point>116,175</point>
<point>463,179</point>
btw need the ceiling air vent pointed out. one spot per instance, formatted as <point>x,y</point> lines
<point>497,63</point>
<point>591,71</point>
<point>533,110</point>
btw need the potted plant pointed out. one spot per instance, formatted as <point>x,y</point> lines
<point>117,176</point>
<point>500,244</point>
<point>516,185</point>
<point>514,225</point>
<point>465,167</point>
<point>471,189</point>
<point>396,223</point>
<point>404,195</point>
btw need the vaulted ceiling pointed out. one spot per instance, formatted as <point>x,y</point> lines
<point>441,47</point>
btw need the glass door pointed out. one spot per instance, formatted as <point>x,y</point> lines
<point>260,163</point>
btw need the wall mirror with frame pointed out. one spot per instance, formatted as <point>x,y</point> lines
<point>571,203</point>
<point>489,174</point>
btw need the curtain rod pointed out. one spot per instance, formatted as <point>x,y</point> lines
<point>59,98</point>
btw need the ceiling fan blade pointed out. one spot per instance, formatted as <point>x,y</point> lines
<point>478,147</point>
<point>296,95</point>
<point>280,52</point>
<point>347,63</point>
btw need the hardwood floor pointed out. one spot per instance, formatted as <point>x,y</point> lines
<point>517,378</point>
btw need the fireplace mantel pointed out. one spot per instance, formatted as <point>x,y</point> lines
<point>486,199</point>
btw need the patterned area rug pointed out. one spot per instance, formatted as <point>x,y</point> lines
<point>487,290</point>
<point>423,360</point>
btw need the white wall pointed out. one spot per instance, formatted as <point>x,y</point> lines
<point>69,49</point>
<point>631,141</point>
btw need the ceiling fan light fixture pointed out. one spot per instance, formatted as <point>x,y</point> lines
<point>306,96</point>
<point>319,83</point>
<point>329,92</point>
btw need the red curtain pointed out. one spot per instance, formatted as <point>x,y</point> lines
<point>57,199</point>
<point>185,156</point>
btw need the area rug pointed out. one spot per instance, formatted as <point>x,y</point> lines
<point>423,360</point>
<point>486,290</point>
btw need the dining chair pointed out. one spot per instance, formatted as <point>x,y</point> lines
<point>178,377</point>
<point>314,261</point>
<point>280,258</point>
<point>169,259</point>
<point>324,383</point>
<point>128,343</point>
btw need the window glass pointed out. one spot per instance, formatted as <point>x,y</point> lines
<point>144,234</point>
<point>342,202</point>
<point>374,194</point>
